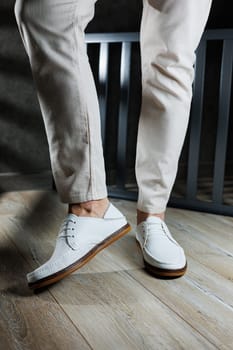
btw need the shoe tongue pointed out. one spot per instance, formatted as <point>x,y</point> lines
<point>72,216</point>
<point>153,219</point>
<point>112,212</point>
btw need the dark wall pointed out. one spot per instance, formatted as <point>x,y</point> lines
<point>23,144</point>
<point>109,12</point>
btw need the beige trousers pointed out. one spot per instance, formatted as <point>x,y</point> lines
<point>53,35</point>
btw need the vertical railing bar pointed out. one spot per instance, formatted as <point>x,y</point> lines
<point>196,121</point>
<point>223,120</point>
<point>123,113</point>
<point>103,86</point>
<point>190,203</point>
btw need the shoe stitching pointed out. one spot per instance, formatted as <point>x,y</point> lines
<point>145,233</point>
<point>165,231</point>
<point>168,234</point>
<point>50,266</point>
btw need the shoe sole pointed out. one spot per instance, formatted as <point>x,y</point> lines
<point>79,263</point>
<point>164,273</point>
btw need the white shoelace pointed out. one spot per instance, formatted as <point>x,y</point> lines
<point>65,228</point>
<point>154,230</point>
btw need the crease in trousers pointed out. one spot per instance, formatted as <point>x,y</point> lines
<point>52,32</point>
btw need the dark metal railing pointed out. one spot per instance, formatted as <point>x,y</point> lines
<point>190,200</point>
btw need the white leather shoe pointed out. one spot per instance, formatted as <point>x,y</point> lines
<point>163,256</point>
<point>79,240</point>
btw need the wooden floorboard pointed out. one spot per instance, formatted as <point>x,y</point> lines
<point>112,303</point>
<point>29,321</point>
<point>114,311</point>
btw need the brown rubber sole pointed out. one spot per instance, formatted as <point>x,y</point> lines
<point>79,263</point>
<point>164,273</point>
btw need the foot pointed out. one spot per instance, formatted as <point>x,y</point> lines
<point>142,216</point>
<point>93,208</point>
<point>163,256</point>
<point>80,238</point>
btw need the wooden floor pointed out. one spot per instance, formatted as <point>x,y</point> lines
<point>112,303</point>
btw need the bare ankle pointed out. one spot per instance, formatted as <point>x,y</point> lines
<point>92,208</point>
<point>142,216</point>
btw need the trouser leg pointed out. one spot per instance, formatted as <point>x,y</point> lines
<point>53,35</point>
<point>170,33</point>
